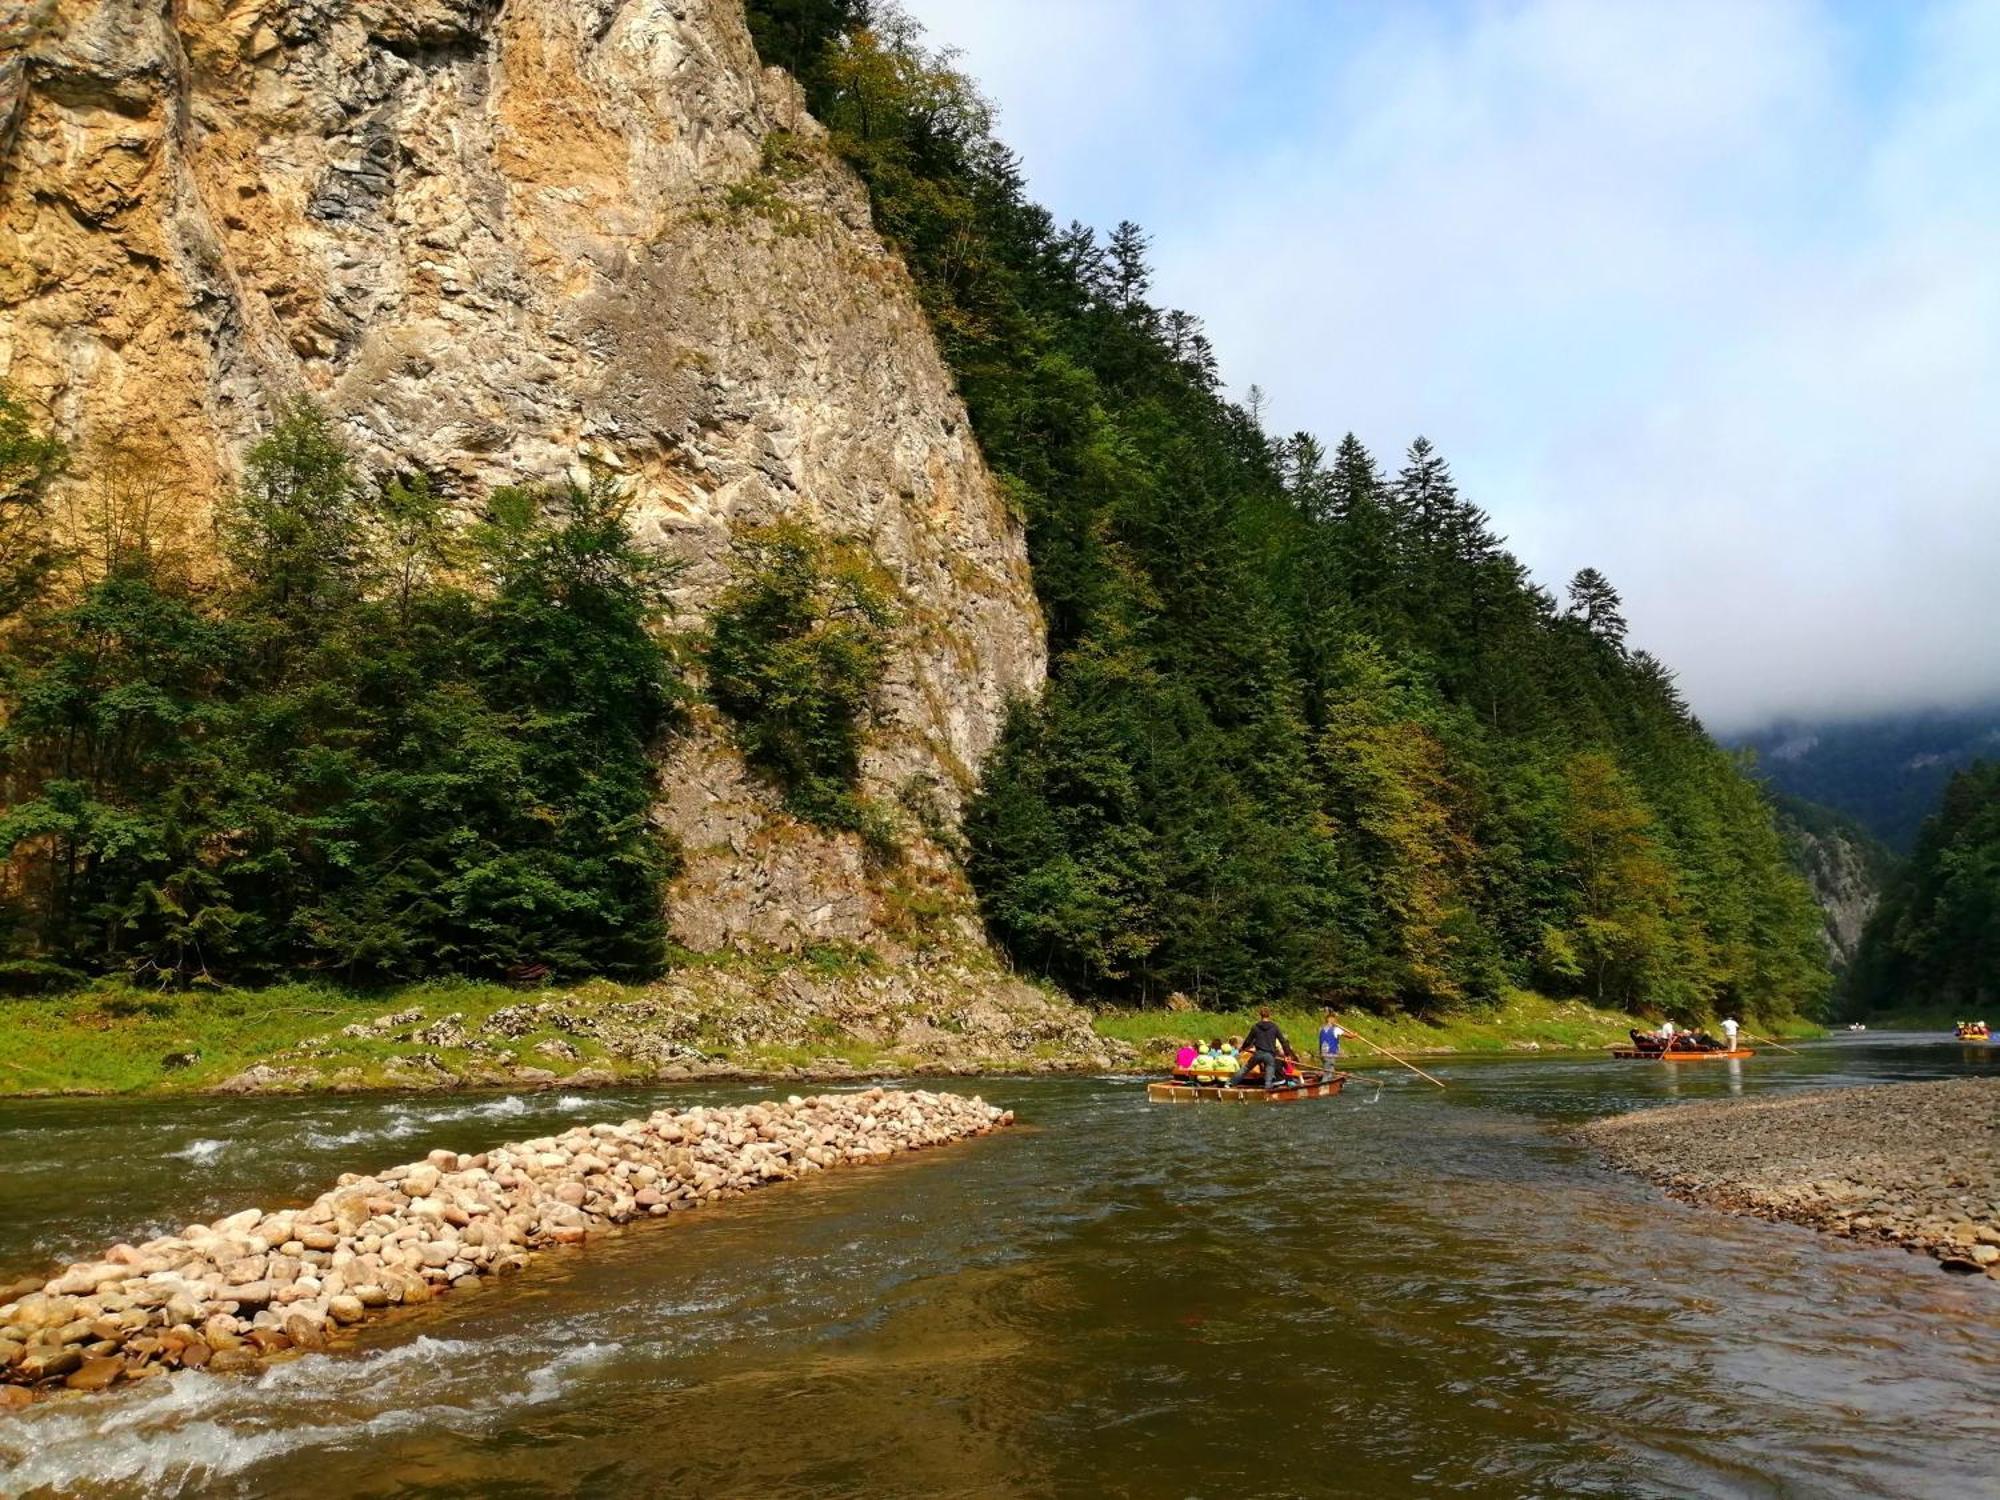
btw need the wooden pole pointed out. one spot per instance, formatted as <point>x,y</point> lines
<point>1769,1043</point>
<point>1387,1053</point>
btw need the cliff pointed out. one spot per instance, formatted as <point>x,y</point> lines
<point>498,240</point>
<point>1846,868</point>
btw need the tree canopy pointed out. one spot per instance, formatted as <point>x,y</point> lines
<point>1310,731</point>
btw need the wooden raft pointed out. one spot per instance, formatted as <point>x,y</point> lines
<point>1175,1092</point>
<point>1634,1052</point>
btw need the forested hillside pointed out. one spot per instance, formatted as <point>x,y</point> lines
<point>1886,771</point>
<point>1934,943</point>
<point>1311,730</point>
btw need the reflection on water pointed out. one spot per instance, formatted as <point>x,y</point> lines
<point>1395,1292</point>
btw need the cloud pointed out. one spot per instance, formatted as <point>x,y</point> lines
<point>1705,295</point>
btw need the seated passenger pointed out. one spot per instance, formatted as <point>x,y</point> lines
<point>1184,1060</point>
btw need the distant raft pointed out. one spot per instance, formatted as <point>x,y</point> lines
<point>1973,1031</point>
<point>1178,1091</point>
<point>1661,1054</point>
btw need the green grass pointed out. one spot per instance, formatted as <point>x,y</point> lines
<point>1524,1021</point>
<point>115,1039</point>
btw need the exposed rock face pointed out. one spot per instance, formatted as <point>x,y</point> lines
<point>494,239</point>
<point>1846,879</point>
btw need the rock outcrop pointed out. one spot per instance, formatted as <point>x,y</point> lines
<point>496,241</point>
<point>1845,868</point>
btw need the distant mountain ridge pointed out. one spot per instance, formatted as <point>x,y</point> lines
<point>1887,772</point>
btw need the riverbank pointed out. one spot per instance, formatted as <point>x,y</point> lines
<point>1522,1022</point>
<point>257,1283</point>
<point>1909,1164</point>
<point>821,1018</point>
<point>817,1018</point>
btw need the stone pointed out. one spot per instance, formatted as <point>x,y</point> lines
<point>50,1364</point>
<point>95,1374</point>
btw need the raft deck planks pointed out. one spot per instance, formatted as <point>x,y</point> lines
<point>1203,1093</point>
<point>1635,1053</point>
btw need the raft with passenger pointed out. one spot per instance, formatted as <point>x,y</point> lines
<point>1676,1054</point>
<point>1972,1031</point>
<point>1677,1046</point>
<point>1291,1091</point>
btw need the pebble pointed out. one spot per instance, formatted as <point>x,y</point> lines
<point>230,1294</point>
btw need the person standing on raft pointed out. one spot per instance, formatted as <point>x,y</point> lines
<point>1329,1044</point>
<point>1729,1029</point>
<point>1265,1044</point>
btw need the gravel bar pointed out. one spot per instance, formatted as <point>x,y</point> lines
<point>229,1294</point>
<point>1909,1164</point>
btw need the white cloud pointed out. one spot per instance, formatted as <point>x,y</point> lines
<point>1706,295</point>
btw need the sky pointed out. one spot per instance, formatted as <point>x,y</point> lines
<point>1705,294</point>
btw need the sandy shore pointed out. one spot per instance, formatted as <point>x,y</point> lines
<point>1909,1164</point>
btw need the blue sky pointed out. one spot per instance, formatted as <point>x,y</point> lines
<point>1704,294</point>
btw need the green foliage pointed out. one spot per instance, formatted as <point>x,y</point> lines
<point>29,460</point>
<point>1934,942</point>
<point>1310,730</point>
<point>795,649</point>
<point>380,746</point>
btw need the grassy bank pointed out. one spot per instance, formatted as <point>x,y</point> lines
<point>815,1016</point>
<point>805,1017</point>
<point>1523,1022</point>
<point>111,1039</point>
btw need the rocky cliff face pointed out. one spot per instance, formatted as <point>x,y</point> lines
<point>495,238</point>
<point>1845,870</point>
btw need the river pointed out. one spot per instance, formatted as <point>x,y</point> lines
<point>1397,1292</point>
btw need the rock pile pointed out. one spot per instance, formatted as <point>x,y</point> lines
<point>226,1294</point>
<point>1910,1164</point>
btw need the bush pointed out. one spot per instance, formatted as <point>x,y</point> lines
<point>794,652</point>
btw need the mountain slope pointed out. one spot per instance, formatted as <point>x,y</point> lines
<point>1846,867</point>
<point>1311,730</point>
<point>1887,771</point>
<point>496,241</point>
<point>1935,942</point>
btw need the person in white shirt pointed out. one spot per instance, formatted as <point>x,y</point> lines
<point>1729,1032</point>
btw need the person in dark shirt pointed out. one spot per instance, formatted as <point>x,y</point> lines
<point>1264,1045</point>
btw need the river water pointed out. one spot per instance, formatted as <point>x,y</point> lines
<point>1397,1292</point>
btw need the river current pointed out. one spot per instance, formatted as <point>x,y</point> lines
<point>1398,1292</point>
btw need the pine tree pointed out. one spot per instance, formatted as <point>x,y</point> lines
<point>1594,602</point>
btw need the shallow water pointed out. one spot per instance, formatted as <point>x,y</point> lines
<point>1392,1293</point>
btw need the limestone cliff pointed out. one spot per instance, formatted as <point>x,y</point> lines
<point>495,238</point>
<point>1845,867</point>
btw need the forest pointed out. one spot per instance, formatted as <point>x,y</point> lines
<point>365,742</point>
<point>1934,942</point>
<point>1311,730</point>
